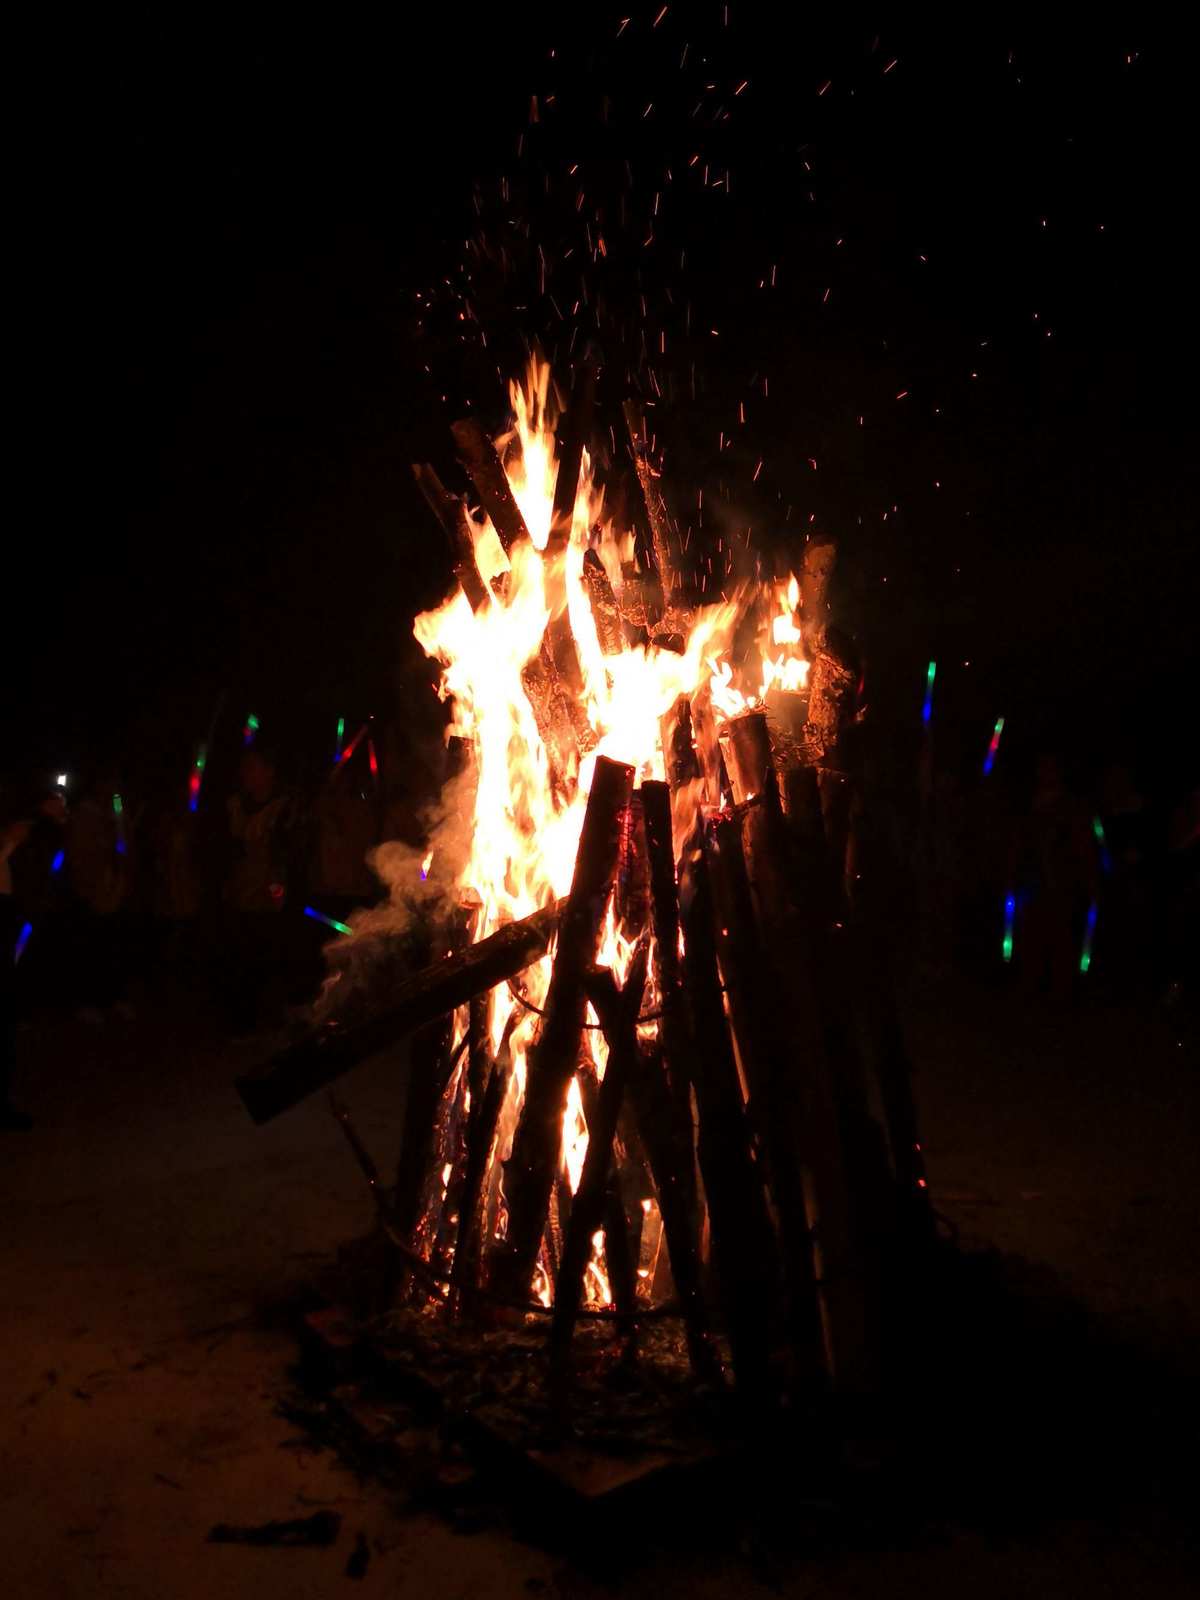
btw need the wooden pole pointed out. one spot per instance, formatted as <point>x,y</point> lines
<point>530,1173</point>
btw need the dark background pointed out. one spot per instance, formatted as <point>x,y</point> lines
<point>241,246</point>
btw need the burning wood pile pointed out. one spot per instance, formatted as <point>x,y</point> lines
<point>655,1067</point>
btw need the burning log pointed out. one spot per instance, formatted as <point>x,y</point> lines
<point>617,1011</point>
<point>573,434</point>
<point>605,612</point>
<point>481,1149</point>
<point>483,466</point>
<point>456,524</point>
<point>673,620</point>
<point>323,1055</point>
<point>535,1153</point>
<point>555,712</point>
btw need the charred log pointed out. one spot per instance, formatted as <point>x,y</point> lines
<point>334,1048</point>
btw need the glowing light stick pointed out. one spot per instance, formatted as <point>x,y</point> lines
<point>1085,955</point>
<point>927,708</point>
<point>330,922</point>
<point>197,777</point>
<point>57,864</point>
<point>1010,917</point>
<point>373,759</point>
<point>22,941</point>
<point>352,746</point>
<point>118,806</point>
<point>341,734</point>
<point>989,760</point>
<point>1105,858</point>
<point>249,731</point>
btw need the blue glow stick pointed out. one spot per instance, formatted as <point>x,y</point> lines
<point>1085,955</point>
<point>330,922</point>
<point>1010,917</point>
<point>22,941</point>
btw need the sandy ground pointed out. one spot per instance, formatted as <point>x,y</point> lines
<point>154,1242</point>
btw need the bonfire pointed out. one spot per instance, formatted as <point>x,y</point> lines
<point>637,1089</point>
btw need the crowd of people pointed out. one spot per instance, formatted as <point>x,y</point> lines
<point>103,893</point>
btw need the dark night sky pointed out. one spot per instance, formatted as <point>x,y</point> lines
<point>227,219</point>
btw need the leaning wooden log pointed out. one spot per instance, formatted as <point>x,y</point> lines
<point>431,1065</point>
<point>483,466</point>
<point>529,1175</point>
<point>606,614</point>
<point>838,1149</point>
<point>657,514</point>
<point>668,973</point>
<point>743,1242</point>
<point>671,1161</point>
<point>617,1011</point>
<point>456,525</point>
<point>766,1047</point>
<point>831,687</point>
<point>333,1048</point>
<point>573,432</point>
<point>556,713</point>
<point>481,1149</point>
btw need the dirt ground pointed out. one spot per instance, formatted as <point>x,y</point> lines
<point>155,1243</point>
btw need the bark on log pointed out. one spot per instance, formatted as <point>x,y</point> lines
<point>743,1242</point>
<point>816,570</point>
<point>332,1049</point>
<point>483,466</point>
<point>529,1175</point>
<point>765,1041</point>
<point>556,713</point>
<point>456,525</point>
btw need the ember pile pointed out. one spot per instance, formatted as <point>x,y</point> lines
<point>655,1068</point>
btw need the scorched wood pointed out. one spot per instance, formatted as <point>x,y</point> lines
<point>529,1175</point>
<point>333,1048</point>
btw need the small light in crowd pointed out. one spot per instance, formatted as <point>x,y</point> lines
<point>62,780</point>
<point>57,863</point>
<point>22,941</point>
<point>1010,916</point>
<point>1085,957</point>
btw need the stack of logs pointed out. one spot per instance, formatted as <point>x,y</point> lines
<point>768,1111</point>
